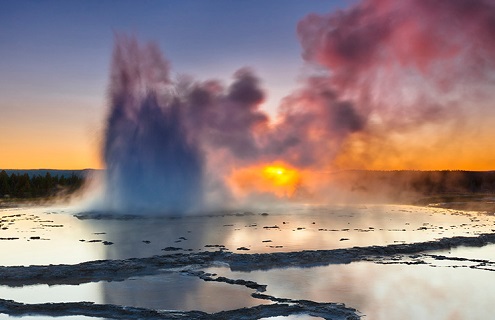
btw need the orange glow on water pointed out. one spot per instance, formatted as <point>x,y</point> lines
<point>276,178</point>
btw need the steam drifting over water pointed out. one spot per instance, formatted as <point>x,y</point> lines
<point>388,74</point>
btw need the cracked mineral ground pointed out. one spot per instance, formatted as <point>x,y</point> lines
<point>295,262</point>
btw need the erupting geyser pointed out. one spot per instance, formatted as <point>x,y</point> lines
<point>151,162</point>
<point>161,135</point>
<point>393,79</point>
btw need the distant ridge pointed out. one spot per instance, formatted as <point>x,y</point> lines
<point>400,185</point>
<point>83,173</point>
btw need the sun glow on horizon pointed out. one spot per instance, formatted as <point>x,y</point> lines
<point>277,178</point>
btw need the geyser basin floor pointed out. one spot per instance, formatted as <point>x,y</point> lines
<point>30,236</point>
<point>53,236</point>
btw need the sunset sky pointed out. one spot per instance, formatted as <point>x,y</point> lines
<point>55,61</point>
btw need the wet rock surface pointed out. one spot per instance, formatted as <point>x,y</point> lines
<point>339,256</point>
<point>121,269</point>
<point>285,308</point>
<point>90,309</point>
<point>433,259</point>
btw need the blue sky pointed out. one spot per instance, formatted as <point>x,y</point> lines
<point>68,43</point>
<point>55,59</point>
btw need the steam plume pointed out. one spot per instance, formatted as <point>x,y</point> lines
<point>151,162</point>
<point>383,69</point>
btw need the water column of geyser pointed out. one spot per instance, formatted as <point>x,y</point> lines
<point>152,164</point>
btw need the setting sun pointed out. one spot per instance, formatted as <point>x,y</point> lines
<point>276,178</point>
<point>281,176</point>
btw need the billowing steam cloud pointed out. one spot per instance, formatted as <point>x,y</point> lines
<point>405,65</point>
<point>382,67</point>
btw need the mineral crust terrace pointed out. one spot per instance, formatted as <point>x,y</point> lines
<point>113,270</point>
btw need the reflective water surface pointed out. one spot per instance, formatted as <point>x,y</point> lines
<point>53,235</point>
<point>167,291</point>
<point>386,291</point>
<point>436,290</point>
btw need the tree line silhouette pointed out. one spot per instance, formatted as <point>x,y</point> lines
<point>404,185</point>
<point>37,186</point>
